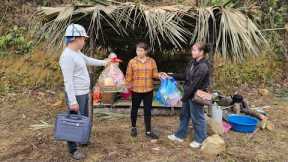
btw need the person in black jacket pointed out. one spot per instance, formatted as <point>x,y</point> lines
<point>196,77</point>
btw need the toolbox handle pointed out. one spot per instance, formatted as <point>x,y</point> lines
<point>74,116</point>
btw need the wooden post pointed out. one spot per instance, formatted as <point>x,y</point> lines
<point>92,78</point>
<point>212,49</point>
<point>212,61</point>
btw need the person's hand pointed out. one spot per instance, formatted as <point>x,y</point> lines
<point>164,75</point>
<point>74,107</point>
<point>129,86</point>
<point>108,61</point>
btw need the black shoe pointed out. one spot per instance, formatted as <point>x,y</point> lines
<point>77,155</point>
<point>134,132</point>
<point>151,135</point>
<point>85,145</point>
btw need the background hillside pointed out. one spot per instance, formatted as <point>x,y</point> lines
<point>17,46</point>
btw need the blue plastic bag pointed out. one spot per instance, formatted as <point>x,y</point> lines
<point>168,94</point>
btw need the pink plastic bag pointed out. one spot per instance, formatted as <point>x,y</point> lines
<point>226,126</point>
<point>126,95</point>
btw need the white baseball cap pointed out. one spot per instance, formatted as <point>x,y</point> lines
<point>76,30</point>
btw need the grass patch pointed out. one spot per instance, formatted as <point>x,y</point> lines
<point>38,70</point>
<point>263,71</point>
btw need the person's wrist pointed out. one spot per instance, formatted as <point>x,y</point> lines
<point>73,103</point>
<point>105,63</point>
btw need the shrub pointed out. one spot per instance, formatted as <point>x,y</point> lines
<point>264,70</point>
<point>15,42</point>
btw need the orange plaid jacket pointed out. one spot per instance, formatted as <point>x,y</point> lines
<point>140,74</point>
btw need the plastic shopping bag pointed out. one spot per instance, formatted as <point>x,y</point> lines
<point>112,78</point>
<point>126,95</point>
<point>96,95</point>
<point>168,94</point>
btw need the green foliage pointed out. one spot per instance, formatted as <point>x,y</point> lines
<point>15,42</point>
<point>44,2</point>
<point>265,70</point>
<point>273,13</point>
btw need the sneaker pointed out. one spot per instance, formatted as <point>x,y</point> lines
<point>172,137</point>
<point>77,155</point>
<point>134,132</point>
<point>195,145</point>
<point>151,135</point>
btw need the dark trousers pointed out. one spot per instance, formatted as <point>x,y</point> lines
<point>83,109</point>
<point>147,99</point>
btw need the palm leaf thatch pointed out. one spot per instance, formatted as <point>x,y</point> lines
<point>229,32</point>
<point>238,35</point>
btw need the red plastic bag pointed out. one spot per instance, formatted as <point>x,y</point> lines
<point>96,95</point>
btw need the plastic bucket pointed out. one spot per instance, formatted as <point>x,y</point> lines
<point>217,113</point>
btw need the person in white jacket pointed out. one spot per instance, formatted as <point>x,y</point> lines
<point>73,65</point>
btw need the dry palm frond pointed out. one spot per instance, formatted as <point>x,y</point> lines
<point>124,13</point>
<point>238,36</point>
<point>54,30</point>
<point>166,25</point>
<point>203,24</point>
<point>160,24</point>
<point>100,15</point>
<point>65,14</point>
<point>50,11</point>
<point>231,32</point>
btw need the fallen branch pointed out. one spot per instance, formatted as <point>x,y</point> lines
<point>274,29</point>
<point>252,134</point>
<point>264,107</point>
<point>109,115</point>
<point>41,126</point>
<point>3,15</point>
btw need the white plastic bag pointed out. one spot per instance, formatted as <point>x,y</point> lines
<point>112,78</point>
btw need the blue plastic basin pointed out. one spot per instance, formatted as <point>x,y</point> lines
<point>242,123</point>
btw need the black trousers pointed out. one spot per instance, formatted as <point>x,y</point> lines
<point>83,109</point>
<point>147,99</point>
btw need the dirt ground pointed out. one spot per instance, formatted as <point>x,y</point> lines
<point>111,140</point>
